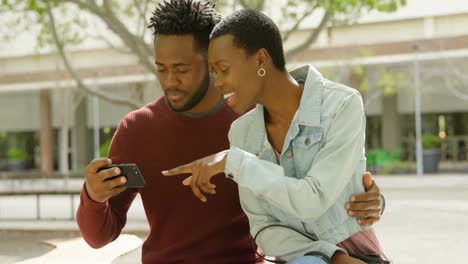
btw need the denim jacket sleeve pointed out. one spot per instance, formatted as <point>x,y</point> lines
<point>307,198</point>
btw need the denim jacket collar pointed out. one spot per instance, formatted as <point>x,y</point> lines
<point>308,113</point>
<point>311,101</point>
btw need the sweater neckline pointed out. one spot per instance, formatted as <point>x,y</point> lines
<point>183,117</point>
<point>210,112</point>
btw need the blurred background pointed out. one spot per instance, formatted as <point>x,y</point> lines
<point>71,69</point>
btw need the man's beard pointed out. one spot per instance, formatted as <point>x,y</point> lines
<point>196,98</point>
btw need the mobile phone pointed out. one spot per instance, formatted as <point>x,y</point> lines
<point>130,171</point>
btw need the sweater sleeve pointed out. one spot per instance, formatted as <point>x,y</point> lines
<point>101,223</point>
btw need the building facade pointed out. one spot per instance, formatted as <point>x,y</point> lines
<point>50,124</point>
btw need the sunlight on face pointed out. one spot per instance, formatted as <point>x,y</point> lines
<point>235,73</point>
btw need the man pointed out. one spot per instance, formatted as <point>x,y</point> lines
<point>191,121</point>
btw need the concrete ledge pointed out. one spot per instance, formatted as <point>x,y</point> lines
<point>62,225</point>
<point>77,251</point>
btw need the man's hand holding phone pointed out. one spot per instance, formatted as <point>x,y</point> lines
<point>98,185</point>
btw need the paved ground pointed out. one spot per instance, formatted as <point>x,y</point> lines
<point>33,247</point>
<point>426,222</point>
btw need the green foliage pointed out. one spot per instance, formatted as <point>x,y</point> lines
<point>222,6</point>
<point>16,154</point>
<point>31,16</point>
<point>361,74</point>
<point>381,157</point>
<point>430,141</point>
<point>384,162</point>
<point>344,11</point>
<point>347,11</point>
<point>72,20</point>
<point>79,171</point>
<point>397,167</point>
<point>104,148</point>
<point>350,5</point>
<point>390,81</point>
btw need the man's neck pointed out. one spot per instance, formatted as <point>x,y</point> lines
<point>211,111</point>
<point>211,103</point>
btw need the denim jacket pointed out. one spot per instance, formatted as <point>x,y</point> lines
<point>320,167</point>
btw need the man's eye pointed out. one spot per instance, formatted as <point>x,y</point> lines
<point>224,70</point>
<point>161,70</point>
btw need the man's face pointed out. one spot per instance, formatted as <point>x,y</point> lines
<point>182,71</point>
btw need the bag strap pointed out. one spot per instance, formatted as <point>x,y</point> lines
<point>312,237</point>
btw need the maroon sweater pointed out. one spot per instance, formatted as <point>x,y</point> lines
<point>182,228</point>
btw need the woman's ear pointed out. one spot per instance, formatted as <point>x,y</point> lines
<point>263,58</point>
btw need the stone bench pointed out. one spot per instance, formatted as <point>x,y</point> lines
<point>77,251</point>
<point>38,193</point>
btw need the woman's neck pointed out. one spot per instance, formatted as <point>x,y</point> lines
<point>281,99</point>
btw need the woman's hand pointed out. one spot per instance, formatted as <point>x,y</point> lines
<point>202,171</point>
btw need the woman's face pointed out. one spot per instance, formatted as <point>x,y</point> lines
<point>235,73</point>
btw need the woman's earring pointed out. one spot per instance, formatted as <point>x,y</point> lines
<point>261,72</point>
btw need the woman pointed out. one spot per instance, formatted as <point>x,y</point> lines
<point>297,157</point>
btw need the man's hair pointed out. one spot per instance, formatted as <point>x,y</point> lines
<point>180,17</point>
<point>252,31</point>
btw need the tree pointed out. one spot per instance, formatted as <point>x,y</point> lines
<point>331,12</point>
<point>127,21</point>
<point>122,25</point>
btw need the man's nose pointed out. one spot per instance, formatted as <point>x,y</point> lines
<point>171,80</point>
